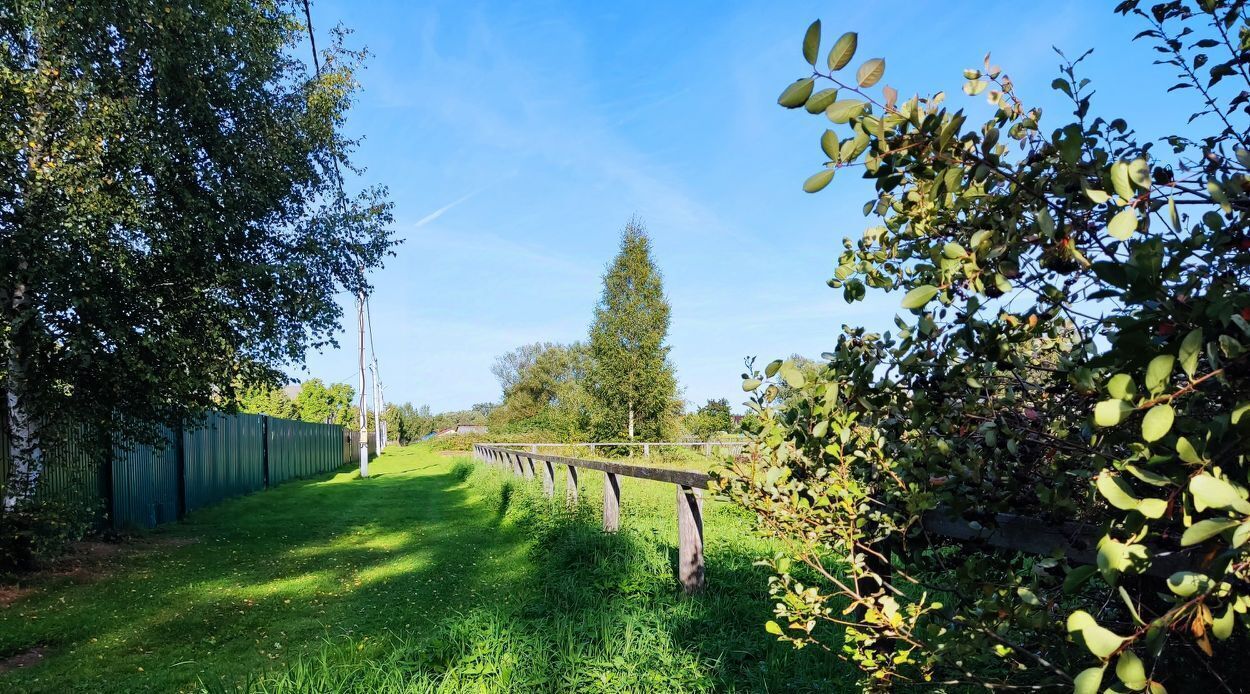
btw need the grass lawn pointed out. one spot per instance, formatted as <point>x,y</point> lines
<point>433,575</point>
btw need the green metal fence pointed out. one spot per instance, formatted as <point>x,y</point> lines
<point>226,456</point>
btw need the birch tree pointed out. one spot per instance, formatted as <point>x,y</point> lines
<point>170,210</point>
<point>630,377</point>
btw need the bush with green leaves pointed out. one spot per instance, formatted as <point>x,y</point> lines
<point>1072,347</point>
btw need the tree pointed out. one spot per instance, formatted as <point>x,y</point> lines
<point>1073,347</point>
<point>542,379</point>
<point>171,212</point>
<point>630,378</point>
<point>317,402</point>
<point>712,418</point>
<point>268,400</point>
<point>509,366</point>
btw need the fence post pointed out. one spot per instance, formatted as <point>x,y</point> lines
<point>549,478</point>
<point>534,448</point>
<point>528,468</point>
<point>518,468</point>
<point>611,502</point>
<point>646,450</point>
<point>690,538</point>
<point>570,486</point>
<point>592,449</point>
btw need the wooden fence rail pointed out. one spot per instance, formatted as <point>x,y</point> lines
<point>646,446</point>
<point>1075,541</point>
<point>689,484</point>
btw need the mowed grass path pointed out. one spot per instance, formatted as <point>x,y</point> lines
<point>268,576</point>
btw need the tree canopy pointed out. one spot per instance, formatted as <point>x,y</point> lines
<point>630,378</point>
<point>170,208</point>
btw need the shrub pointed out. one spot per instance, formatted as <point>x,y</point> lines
<point>1074,346</point>
<point>40,530</point>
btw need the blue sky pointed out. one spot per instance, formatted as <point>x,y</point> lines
<point>517,139</point>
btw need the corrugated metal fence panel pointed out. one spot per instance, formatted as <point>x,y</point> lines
<point>223,458</point>
<point>301,449</point>
<point>73,473</point>
<point>145,484</point>
<point>351,446</point>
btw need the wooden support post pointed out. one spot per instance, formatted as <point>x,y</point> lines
<point>611,502</point>
<point>707,449</point>
<point>534,448</point>
<point>515,460</point>
<point>570,486</point>
<point>549,478</point>
<point>592,449</point>
<point>646,450</point>
<point>528,468</point>
<point>690,538</point>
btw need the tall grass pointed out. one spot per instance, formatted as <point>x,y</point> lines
<point>599,612</point>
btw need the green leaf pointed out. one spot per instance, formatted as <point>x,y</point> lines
<point>870,72</point>
<point>772,627</point>
<point>843,50</point>
<point>1188,583</point>
<point>820,101</point>
<point>1152,508</point>
<point>1139,173</point>
<point>919,296</point>
<point>1117,492</point>
<point>1191,346</point>
<point>817,181</point>
<point>1158,373</point>
<point>1212,492</point>
<point>954,250</point>
<point>1147,476</point>
<point>811,43</point>
<point>1173,215</point>
<point>792,374</point>
<point>1100,641</point>
<point>1157,422</point>
<point>1109,413</point>
<point>1122,386</point>
<point>1088,681</point>
<point>843,111</point>
<point>1120,181</point>
<point>1205,530</point>
<point>1077,577</point>
<point>1123,224</point>
<point>1241,534</point>
<point>751,384</point>
<point>1222,626</point>
<point>1097,197</point>
<point>796,94</point>
<point>1187,452</point>
<point>771,369</point>
<point>1130,670</point>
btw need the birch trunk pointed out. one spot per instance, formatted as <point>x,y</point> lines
<point>25,447</point>
<point>631,421</point>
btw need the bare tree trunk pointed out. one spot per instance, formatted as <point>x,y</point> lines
<point>25,446</point>
<point>631,421</point>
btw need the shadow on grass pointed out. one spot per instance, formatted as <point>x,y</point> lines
<point>594,612</point>
<point>272,573</point>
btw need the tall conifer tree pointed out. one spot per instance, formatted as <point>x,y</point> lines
<point>630,377</point>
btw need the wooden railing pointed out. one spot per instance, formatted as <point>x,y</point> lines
<point>706,446</point>
<point>690,485</point>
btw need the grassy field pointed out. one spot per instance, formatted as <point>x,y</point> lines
<point>433,575</point>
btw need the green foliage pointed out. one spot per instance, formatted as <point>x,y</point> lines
<point>629,377</point>
<point>268,400</point>
<point>1013,246</point>
<point>712,418</point>
<point>332,404</point>
<point>172,220</point>
<point>543,391</point>
<point>42,530</point>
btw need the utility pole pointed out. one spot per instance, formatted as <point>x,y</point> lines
<point>364,412</point>
<point>377,411</point>
<point>381,398</point>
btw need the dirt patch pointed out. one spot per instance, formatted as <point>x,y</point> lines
<point>23,659</point>
<point>87,561</point>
